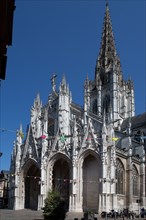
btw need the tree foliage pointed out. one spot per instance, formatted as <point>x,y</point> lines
<point>54,208</point>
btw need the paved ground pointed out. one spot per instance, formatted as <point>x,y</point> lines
<point>7,214</point>
<point>26,214</point>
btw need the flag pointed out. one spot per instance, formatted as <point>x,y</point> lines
<point>115,139</point>
<point>21,134</point>
<point>43,136</point>
<point>62,138</point>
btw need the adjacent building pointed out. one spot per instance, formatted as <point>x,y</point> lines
<point>4,188</point>
<point>7,8</point>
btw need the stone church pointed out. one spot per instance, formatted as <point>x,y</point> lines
<point>93,155</point>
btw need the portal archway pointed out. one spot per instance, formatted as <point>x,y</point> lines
<point>91,174</point>
<point>32,187</point>
<point>61,179</point>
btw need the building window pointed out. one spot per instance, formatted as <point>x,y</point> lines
<point>135,180</point>
<point>109,49</point>
<point>120,177</point>
<point>106,103</point>
<point>95,106</point>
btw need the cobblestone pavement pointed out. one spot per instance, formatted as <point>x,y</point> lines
<point>26,214</point>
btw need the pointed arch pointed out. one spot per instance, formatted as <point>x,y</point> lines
<point>59,174</point>
<point>135,180</point>
<point>89,185</point>
<point>120,176</point>
<point>32,176</point>
<point>106,103</point>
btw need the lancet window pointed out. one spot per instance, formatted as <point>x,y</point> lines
<point>106,103</point>
<point>135,180</point>
<point>120,177</point>
<point>95,106</point>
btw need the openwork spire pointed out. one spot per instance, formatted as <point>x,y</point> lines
<point>107,54</point>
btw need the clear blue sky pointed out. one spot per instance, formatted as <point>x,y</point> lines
<point>64,37</point>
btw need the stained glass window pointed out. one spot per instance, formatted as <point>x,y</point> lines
<point>120,177</point>
<point>135,180</point>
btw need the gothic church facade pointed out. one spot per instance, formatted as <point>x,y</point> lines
<point>93,155</point>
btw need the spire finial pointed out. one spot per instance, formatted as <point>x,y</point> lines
<point>106,3</point>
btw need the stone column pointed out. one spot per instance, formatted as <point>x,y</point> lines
<point>79,200</point>
<point>99,99</point>
<point>43,183</point>
<point>142,182</point>
<point>16,192</point>
<point>113,177</point>
<point>43,179</point>
<point>114,97</point>
<point>129,181</point>
<point>104,159</point>
<point>72,204</point>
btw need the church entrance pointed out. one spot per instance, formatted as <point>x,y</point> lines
<point>90,183</point>
<point>32,187</point>
<point>61,178</point>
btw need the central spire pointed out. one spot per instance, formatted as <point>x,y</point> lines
<point>107,54</point>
